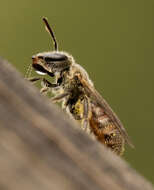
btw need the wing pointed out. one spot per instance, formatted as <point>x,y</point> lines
<point>99,101</point>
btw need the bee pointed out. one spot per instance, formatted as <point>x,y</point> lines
<point>73,87</point>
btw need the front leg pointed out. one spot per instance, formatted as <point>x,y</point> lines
<point>44,82</point>
<point>46,85</point>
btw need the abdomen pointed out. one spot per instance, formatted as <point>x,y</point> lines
<point>105,131</point>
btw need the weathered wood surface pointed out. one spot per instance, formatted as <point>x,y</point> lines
<point>41,149</point>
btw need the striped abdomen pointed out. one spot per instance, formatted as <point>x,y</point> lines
<point>105,130</point>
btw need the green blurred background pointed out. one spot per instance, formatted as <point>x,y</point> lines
<point>112,39</point>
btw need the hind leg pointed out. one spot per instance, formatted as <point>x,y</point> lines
<point>86,115</point>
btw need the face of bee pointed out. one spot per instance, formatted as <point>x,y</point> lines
<point>51,62</point>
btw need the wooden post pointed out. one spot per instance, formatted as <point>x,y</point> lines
<point>42,149</point>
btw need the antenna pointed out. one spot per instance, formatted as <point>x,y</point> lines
<point>48,28</point>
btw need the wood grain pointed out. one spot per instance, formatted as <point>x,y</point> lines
<point>42,149</point>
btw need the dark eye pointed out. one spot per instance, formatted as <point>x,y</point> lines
<point>55,57</point>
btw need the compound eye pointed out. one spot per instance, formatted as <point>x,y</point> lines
<point>55,58</point>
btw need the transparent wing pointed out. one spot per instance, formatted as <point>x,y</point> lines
<point>98,100</point>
